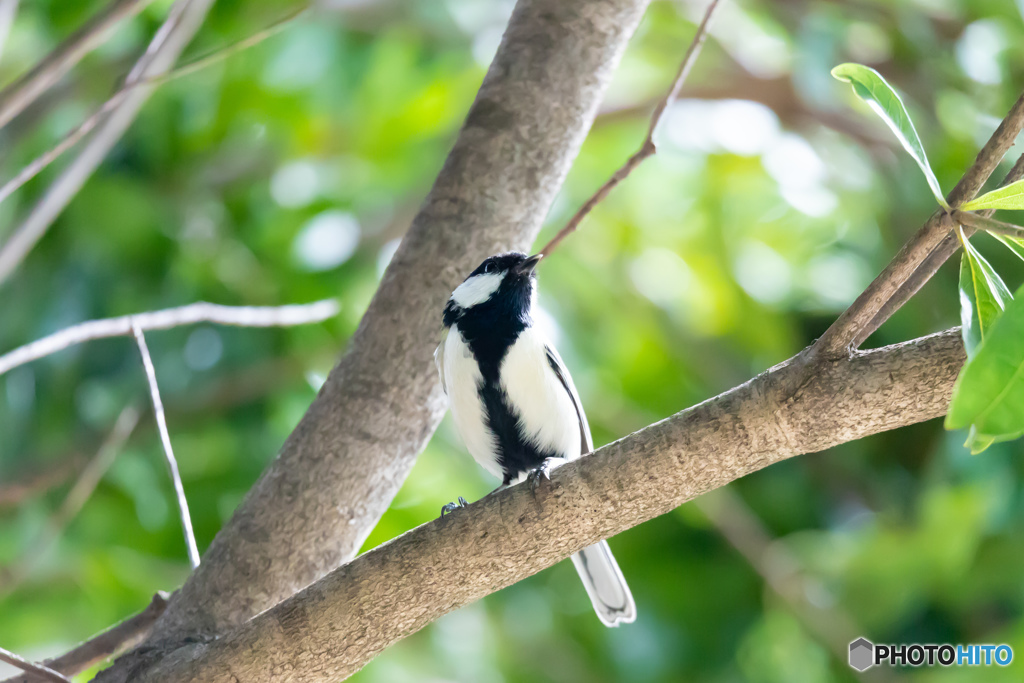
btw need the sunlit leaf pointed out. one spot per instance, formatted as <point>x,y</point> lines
<point>869,85</point>
<point>977,442</point>
<point>983,296</point>
<point>1009,197</point>
<point>989,394</point>
<point>1014,244</point>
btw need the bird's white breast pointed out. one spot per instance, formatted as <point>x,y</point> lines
<point>462,379</point>
<point>547,416</point>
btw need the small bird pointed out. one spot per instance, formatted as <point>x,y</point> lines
<point>514,402</point>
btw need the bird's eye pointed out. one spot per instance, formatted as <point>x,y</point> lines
<point>489,267</point>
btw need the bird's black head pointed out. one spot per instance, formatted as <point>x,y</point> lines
<point>501,288</point>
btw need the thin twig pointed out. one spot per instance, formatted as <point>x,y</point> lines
<point>847,332</point>
<point>979,222</point>
<point>228,51</point>
<point>184,19</point>
<point>34,167</point>
<point>40,671</point>
<point>75,500</point>
<point>648,147</point>
<point>242,316</point>
<point>127,634</point>
<point>165,438</point>
<point>21,93</point>
<point>939,255</point>
<point>35,483</point>
<point>783,573</point>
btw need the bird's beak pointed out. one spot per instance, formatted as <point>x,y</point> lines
<point>529,264</point>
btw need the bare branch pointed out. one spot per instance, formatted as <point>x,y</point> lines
<point>76,498</point>
<point>242,316</point>
<point>40,672</point>
<point>32,484</point>
<point>332,628</point>
<point>165,439</point>
<point>648,147</point>
<point>185,18</point>
<point>116,639</point>
<point>34,167</point>
<point>980,222</point>
<point>229,51</point>
<point>21,93</point>
<point>848,331</point>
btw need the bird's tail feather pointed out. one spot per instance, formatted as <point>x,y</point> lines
<point>605,585</point>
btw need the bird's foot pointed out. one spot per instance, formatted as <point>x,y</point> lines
<point>537,475</point>
<point>452,507</point>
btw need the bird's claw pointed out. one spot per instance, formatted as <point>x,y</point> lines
<point>539,474</point>
<point>452,507</point>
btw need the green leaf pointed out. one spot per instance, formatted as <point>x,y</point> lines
<point>869,85</point>
<point>983,296</point>
<point>1014,244</point>
<point>977,442</point>
<point>989,394</point>
<point>1009,197</point>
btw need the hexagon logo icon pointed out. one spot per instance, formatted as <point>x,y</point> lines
<point>862,653</point>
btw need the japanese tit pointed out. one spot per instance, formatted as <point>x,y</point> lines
<point>514,402</point>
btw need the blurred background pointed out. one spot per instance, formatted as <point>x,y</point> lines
<point>289,172</point>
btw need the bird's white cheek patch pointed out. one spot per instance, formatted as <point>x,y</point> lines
<point>477,289</point>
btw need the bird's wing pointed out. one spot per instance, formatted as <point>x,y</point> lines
<point>555,361</point>
<point>439,358</point>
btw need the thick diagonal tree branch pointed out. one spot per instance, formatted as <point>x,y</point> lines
<point>862,317</point>
<point>340,468</point>
<point>335,626</point>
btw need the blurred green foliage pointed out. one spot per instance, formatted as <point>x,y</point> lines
<point>287,173</point>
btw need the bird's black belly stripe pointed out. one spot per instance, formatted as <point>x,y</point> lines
<point>516,455</point>
<point>490,331</point>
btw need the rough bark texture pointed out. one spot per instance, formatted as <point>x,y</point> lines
<point>341,467</point>
<point>335,626</point>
